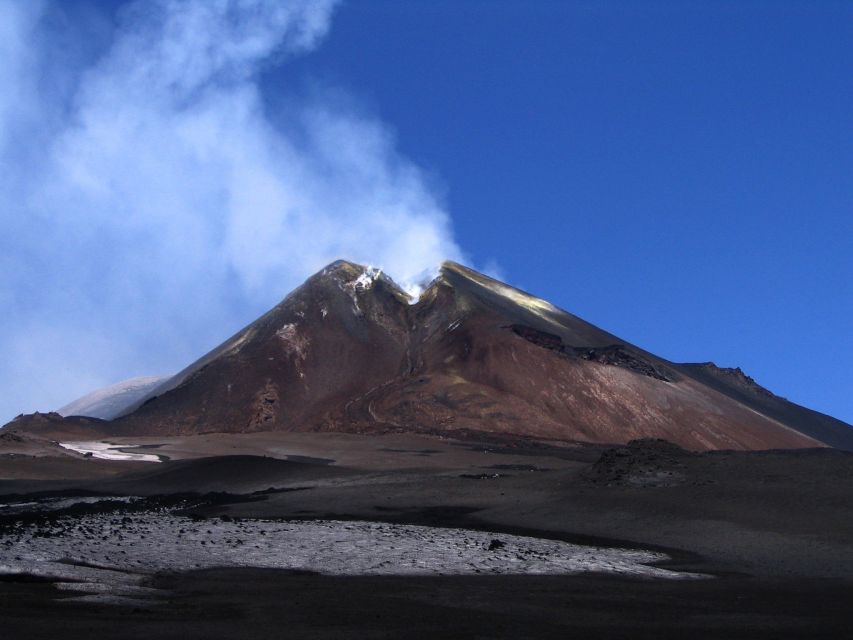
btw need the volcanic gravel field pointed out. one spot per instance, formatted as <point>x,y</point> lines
<point>333,536</point>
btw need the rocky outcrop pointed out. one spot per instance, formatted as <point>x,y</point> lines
<point>648,462</point>
<point>264,408</point>
<point>615,354</point>
<point>734,376</point>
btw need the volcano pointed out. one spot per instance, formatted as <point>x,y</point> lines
<point>351,351</point>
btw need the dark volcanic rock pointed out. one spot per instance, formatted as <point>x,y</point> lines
<point>47,424</point>
<point>648,462</point>
<point>619,356</point>
<point>540,338</point>
<point>614,354</point>
<point>733,376</point>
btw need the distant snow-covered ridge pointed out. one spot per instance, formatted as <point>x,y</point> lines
<point>110,402</point>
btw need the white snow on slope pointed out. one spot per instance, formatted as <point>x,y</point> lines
<point>109,402</point>
<point>366,279</point>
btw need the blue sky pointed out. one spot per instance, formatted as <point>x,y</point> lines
<point>678,173</point>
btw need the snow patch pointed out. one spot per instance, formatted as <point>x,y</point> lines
<point>109,451</point>
<point>363,283</point>
<point>295,342</point>
<point>366,279</point>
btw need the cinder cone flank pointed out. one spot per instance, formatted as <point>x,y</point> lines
<point>348,351</point>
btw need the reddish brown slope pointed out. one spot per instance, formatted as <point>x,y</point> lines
<point>347,352</point>
<point>328,342</point>
<point>493,359</point>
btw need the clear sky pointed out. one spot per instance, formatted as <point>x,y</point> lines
<point>679,173</point>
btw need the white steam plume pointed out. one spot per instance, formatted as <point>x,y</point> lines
<point>150,205</point>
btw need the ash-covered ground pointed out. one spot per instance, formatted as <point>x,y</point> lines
<point>331,535</point>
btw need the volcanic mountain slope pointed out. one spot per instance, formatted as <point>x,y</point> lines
<point>350,351</point>
<point>739,386</point>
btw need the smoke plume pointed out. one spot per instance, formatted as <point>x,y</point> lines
<point>151,203</point>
